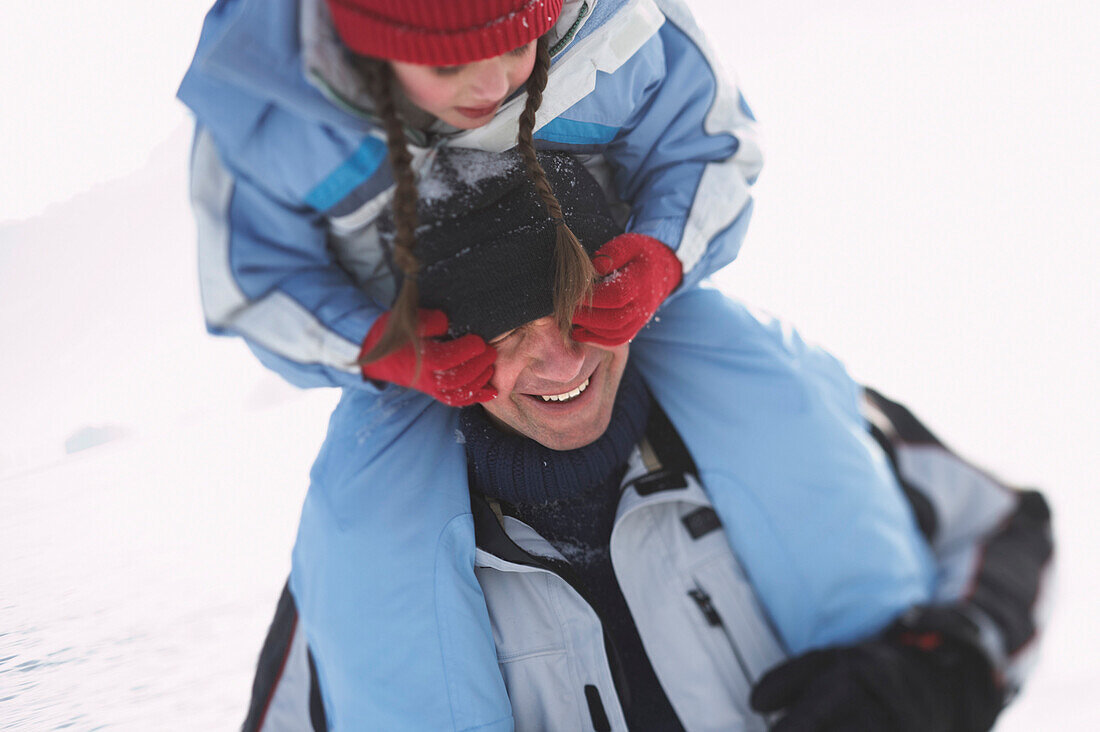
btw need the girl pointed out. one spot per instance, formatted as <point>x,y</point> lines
<point>311,117</point>
<point>289,164</point>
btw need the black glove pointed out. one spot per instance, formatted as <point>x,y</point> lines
<point>926,673</point>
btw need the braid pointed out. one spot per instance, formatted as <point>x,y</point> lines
<point>574,273</point>
<point>403,325</point>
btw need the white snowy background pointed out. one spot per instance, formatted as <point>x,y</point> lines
<point>928,211</point>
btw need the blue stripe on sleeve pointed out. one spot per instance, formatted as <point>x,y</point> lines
<point>352,173</point>
<point>573,132</point>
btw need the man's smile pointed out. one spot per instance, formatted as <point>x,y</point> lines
<point>553,399</point>
<point>567,396</point>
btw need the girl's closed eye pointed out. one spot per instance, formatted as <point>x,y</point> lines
<point>447,70</point>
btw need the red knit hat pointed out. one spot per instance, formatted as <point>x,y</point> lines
<point>441,32</point>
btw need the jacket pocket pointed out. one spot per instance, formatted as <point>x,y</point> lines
<point>722,647</point>
<point>743,621</point>
<point>521,613</point>
<point>736,634</point>
<point>544,693</point>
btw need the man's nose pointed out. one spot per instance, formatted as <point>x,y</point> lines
<point>490,79</point>
<point>554,357</point>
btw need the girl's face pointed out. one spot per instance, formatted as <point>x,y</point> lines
<point>466,96</point>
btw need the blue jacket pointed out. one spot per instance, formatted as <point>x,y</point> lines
<point>383,564</point>
<point>289,168</point>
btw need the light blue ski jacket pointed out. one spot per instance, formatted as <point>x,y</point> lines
<point>394,614</point>
<point>289,169</point>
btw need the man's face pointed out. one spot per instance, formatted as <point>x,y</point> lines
<point>535,363</point>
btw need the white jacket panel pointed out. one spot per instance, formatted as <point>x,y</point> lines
<point>699,620</point>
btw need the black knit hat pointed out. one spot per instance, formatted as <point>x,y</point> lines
<point>486,241</point>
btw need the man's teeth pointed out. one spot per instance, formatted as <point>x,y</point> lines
<point>567,395</point>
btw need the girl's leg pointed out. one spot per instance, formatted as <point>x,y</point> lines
<point>806,496</point>
<point>383,571</point>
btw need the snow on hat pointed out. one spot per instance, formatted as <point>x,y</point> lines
<point>441,32</point>
<point>486,241</point>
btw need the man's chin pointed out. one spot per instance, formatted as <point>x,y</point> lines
<point>568,426</point>
<point>559,437</point>
<point>572,441</point>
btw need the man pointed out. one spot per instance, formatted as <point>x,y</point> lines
<point>640,573</point>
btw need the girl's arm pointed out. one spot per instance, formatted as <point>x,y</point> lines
<point>680,141</point>
<point>270,157</point>
<point>687,157</point>
<point>267,275</point>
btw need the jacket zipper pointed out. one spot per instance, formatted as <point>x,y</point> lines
<point>710,613</point>
<point>714,619</point>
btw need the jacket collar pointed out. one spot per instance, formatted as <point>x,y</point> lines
<point>660,469</point>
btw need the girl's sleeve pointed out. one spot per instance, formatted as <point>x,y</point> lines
<point>267,274</point>
<point>993,543</point>
<point>686,157</point>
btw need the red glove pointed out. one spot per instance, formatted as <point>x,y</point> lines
<point>638,274</point>
<point>456,372</point>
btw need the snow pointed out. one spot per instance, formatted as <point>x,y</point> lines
<point>432,188</point>
<point>927,210</point>
<point>462,172</point>
<point>474,166</point>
